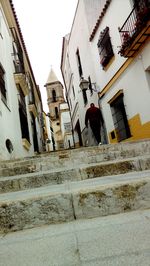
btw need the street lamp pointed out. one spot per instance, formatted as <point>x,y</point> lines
<point>84,85</point>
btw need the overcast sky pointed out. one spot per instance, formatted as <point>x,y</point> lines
<point>43,25</point>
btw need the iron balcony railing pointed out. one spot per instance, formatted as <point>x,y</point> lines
<point>31,97</point>
<point>134,23</point>
<point>18,64</point>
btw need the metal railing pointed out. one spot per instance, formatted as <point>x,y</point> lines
<point>134,22</point>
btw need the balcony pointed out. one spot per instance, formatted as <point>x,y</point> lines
<point>20,79</point>
<point>136,29</point>
<point>32,109</point>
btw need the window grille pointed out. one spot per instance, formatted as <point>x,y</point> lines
<point>3,85</point>
<point>79,63</point>
<point>105,47</point>
<point>120,118</point>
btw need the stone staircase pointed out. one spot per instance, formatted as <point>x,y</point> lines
<point>74,184</point>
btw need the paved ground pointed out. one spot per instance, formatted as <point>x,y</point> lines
<point>122,240</point>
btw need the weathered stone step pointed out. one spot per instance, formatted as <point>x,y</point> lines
<point>74,200</point>
<point>86,155</point>
<point>51,177</point>
<point>115,240</point>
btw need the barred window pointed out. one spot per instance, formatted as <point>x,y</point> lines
<point>79,63</point>
<point>120,118</point>
<point>105,47</point>
<point>85,99</point>
<point>3,84</point>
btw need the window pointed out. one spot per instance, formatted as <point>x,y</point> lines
<point>79,63</point>
<point>18,57</point>
<point>105,47</point>
<point>31,91</point>
<point>90,85</point>
<point>73,91</point>
<point>84,97</point>
<point>70,104</point>
<point>54,95</point>
<point>23,115</point>
<point>3,85</point>
<point>56,112</point>
<point>120,118</point>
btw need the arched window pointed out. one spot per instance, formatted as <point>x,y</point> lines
<point>56,112</point>
<point>54,95</point>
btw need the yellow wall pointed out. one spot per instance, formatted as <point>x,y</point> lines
<point>138,130</point>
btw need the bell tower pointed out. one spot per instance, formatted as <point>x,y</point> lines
<point>55,96</point>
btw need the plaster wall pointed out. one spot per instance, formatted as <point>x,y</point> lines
<point>113,21</point>
<point>9,116</point>
<point>134,81</point>
<point>79,39</point>
<point>65,119</point>
<point>136,90</point>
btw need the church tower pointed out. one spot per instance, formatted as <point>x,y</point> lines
<point>55,96</point>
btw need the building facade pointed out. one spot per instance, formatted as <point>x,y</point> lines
<point>59,124</point>
<point>115,59</point>
<point>66,127</point>
<point>55,96</point>
<point>21,133</point>
<point>77,63</point>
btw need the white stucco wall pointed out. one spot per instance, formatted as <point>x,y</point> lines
<point>66,127</point>
<point>113,21</point>
<point>134,81</point>
<point>79,39</point>
<point>9,116</point>
<point>49,146</point>
<point>136,90</point>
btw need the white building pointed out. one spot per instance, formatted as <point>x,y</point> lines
<point>48,133</point>
<point>20,99</point>
<point>66,127</point>
<point>55,96</point>
<point>77,62</point>
<point>59,128</point>
<point>117,60</point>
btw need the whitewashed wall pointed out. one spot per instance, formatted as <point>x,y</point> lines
<point>113,21</point>
<point>9,116</point>
<point>66,127</point>
<point>134,81</point>
<point>79,39</point>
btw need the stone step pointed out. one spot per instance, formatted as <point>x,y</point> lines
<point>51,177</point>
<point>74,157</point>
<point>114,240</point>
<point>74,200</point>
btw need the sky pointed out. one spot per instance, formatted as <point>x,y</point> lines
<point>43,25</point>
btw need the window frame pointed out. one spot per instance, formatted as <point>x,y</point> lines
<point>79,63</point>
<point>120,117</point>
<point>3,89</point>
<point>54,96</point>
<point>85,98</point>
<point>90,85</point>
<point>105,47</point>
